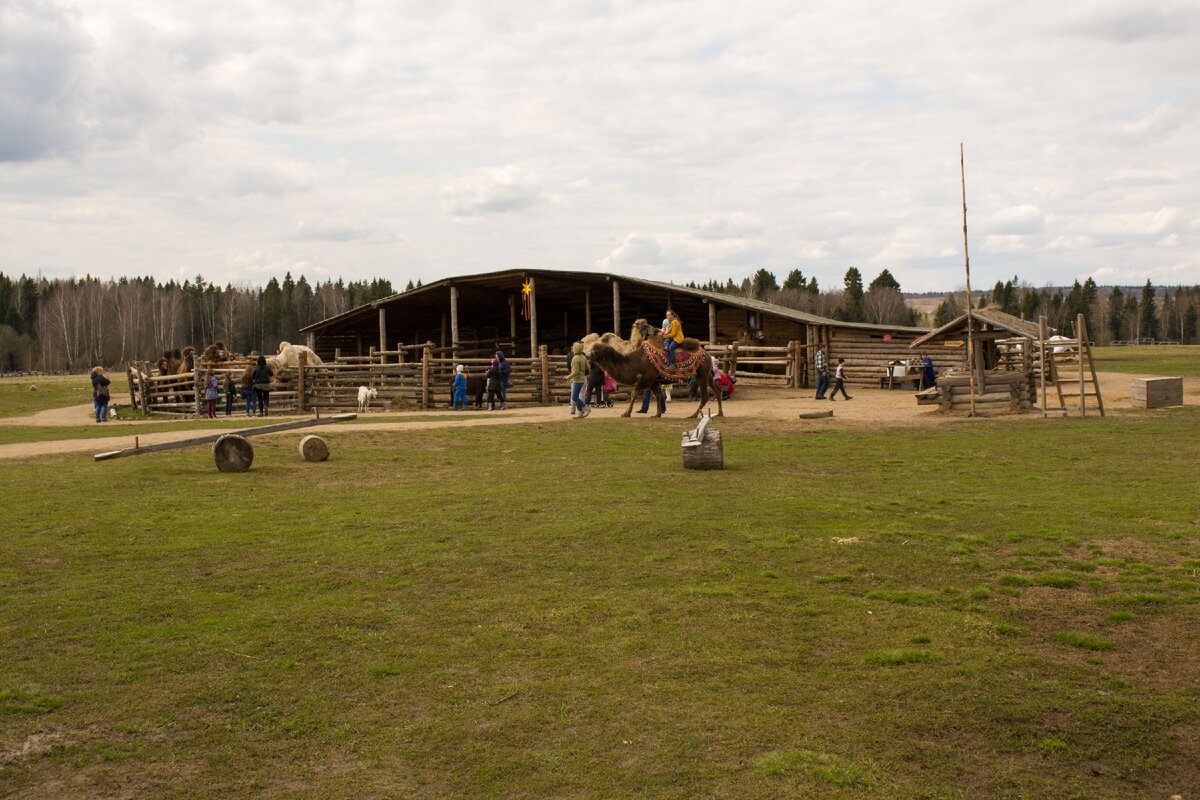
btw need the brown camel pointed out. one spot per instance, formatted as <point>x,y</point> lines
<point>635,369</point>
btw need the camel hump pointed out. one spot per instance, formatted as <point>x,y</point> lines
<point>690,344</point>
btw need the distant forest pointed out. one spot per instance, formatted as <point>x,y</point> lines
<point>72,324</point>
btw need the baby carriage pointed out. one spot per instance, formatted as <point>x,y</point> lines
<point>600,397</point>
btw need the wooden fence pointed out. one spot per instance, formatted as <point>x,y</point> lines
<point>420,378</point>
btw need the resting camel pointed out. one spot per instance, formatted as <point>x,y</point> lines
<point>637,370</point>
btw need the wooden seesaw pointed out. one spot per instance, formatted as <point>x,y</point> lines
<point>232,451</point>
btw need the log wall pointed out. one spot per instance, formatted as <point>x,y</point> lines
<point>1001,391</point>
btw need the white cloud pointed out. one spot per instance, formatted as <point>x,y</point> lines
<point>1022,219</point>
<point>492,191</point>
<point>505,134</point>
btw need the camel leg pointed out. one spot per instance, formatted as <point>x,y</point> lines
<point>634,394</point>
<point>660,399</point>
<point>702,383</point>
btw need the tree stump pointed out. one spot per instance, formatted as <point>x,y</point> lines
<point>709,454</point>
<point>314,448</point>
<point>233,453</point>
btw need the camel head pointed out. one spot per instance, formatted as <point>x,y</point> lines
<point>642,330</point>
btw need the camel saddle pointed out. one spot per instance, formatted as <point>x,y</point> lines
<point>686,361</point>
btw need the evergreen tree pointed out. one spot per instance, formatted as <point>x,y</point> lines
<point>763,284</point>
<point>795,280</point>
<point>813,289</point>
<point>1116,313</point>
<point>1147,313</point>
<point>851,308</point>
<point>884,280</point>
<point>271,303</point>
<point>1189,325</point>
<point>410,286</point>
<point>287,315</point>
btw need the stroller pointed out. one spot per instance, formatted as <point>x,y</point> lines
<point>598,394</point>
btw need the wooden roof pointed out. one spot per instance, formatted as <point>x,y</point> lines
<point>998,320</point>
<point>487,286</point>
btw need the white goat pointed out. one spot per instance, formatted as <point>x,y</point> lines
<point>365,395</point>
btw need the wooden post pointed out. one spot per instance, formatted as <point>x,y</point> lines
<point>712,322</point>
<point>587,310</point>
<point>382,328</point>
<point>733,359</point>
<point>445,331</point>
<point>200,412</point>
<point>533,329</point>
<point>129,370</point>
<point>512,318</point>
<point>810,339</point>
<point>967,266</point>
<point>144,389</point>
<point>1042,368</point>
<point>311,340</point>
<point>399,352</point>
<point>453,321</point>
<point>616,308</point>
<point>544,359</point>
<point>301,363</point>
<point>797,362</point>
<point>358,343</point>
<point>1082,386</point>
<point>425,377</point>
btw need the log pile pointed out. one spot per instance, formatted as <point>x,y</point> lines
<point>1001,391</point>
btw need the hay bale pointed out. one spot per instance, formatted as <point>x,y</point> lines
<point>709,454</point>
<point>314,448</point>
<point>233,453</point>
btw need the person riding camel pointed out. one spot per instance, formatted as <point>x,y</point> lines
<point>672,335</point>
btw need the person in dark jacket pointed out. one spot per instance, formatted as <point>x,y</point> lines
<point>100,395</point>
<point>261,380</point>
<point>506,374</point>
<point>595,385</point>
<point>230,391</point>
<point>495,385</point>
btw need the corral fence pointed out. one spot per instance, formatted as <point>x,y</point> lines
<point>418,377</point>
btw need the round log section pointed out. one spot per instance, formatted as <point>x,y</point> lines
<point>709,454</point>
<point>314,448</point>
<point>233,453</point>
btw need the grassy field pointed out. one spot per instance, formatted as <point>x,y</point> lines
<point>54,391</point>
<point>1156,360</point>
<point>1001,610</point>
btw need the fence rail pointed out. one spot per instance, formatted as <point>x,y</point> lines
<point>419,377</point>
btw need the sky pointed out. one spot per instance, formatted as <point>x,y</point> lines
<point>676,141</point>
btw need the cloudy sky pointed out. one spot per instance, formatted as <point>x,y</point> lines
<point>675,140</point>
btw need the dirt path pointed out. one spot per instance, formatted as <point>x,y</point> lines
<point>869,409</point>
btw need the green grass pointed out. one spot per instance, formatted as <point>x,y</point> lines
<point>54,391</point>
<point>1149,360</point>
<point>557,610</point>
<point>1084,641</point>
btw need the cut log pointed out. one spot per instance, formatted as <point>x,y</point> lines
<point>709,454</point>
<point>314,448</point>
<point>233,453</point>
<point>816,414</point>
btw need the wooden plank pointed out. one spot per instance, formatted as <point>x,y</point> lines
<point>282,426</point>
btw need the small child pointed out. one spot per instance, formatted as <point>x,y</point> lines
<point>840,379</point>
<point>460,388</point>
<point>211,393</point>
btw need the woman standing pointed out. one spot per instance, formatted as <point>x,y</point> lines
<point>579,371</point>
<point>261,380</point>
<point>100,395</point>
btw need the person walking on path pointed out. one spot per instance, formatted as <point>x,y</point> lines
<point>840,379</point>
<point>579,371</point>
<point>212,391</point>
<point>822,364</point>
<point>100,394</point>
<point>260,378</point>
<point>672,336</point>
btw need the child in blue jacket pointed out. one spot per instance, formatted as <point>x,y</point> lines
<point>460,388</point>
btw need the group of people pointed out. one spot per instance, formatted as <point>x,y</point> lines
<point>821,362</point>
<point>256,393</point>
<point>498,381</point>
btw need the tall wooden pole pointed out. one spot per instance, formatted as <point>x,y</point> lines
<point>533,329</point>
<point>962,171</point>
<point>616,308</point>
<point>382,328</point>
<point>587,310</point>
<point>512,319</point>
<point>712,322</point>
<point>454,321</point>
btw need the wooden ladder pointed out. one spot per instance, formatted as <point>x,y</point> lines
<point>1075,357</point>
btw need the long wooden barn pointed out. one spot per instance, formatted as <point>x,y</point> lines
<point>521,310</point>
